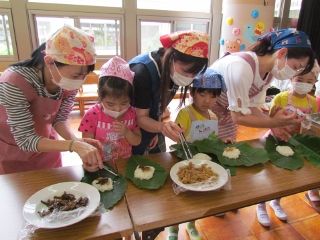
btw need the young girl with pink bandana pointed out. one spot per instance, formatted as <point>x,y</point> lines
<point>112,121</point>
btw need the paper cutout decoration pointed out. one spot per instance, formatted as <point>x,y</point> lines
<point>249,34</point>
<point>221,41</point>
<point>229,21</point>
<point>259,29</point>
<point>236,31</point>
<point>255,13</point>
<point>232,45</point>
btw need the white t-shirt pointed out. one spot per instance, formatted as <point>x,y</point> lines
<point>238,77</point>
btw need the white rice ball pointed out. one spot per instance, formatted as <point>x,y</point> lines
<point>202,156</point>
<point>231,152</point>
<point>285,151</point>
<point>144,172</point>
<point>103,184</point>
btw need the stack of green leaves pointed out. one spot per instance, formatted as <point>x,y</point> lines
<point>159,176</point>
<point>108,198</point>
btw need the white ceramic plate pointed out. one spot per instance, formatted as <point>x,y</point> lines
<point>201,186</point>
<point>79,189</point>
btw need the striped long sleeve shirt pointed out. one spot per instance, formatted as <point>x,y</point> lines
<point>18,108</point>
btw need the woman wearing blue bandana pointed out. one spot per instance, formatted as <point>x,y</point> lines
<point>281,54</point>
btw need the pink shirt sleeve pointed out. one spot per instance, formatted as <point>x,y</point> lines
<point>90,120</point>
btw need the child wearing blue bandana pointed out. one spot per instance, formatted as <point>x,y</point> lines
<point>198,122</point>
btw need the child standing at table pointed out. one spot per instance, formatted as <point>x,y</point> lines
<point>112,121</point>
<point>300,101</point>
<point>198,122</point>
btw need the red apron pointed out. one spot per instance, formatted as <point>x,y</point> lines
<point>44,110</point>
<point>227,128</point>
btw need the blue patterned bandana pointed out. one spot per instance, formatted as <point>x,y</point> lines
<point>209,79</point>
<point>287,38</point>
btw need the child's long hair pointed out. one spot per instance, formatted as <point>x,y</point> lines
<point>115,87</point>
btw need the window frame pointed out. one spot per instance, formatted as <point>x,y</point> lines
<point>14,57</point>
<point>76,16</point>
<point>173,22</point>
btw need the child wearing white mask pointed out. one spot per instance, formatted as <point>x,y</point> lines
<point>300,101</point>
<point>112,121</point>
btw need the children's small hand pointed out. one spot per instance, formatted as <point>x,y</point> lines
<point>120,128</point>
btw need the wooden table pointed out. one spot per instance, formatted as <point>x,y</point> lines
<point>159,208</point>
<point>16,188</point>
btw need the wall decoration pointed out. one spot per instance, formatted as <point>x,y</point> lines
<point>259,29</point>
<point>255,13</point>
<point>232,45</point>
<point>229,21</point>
<point>244,21</point>
<point>249,34</point>
<point>236,31</point>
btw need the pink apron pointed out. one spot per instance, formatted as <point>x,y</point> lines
<point>44,110</point>
<point>227,128</point>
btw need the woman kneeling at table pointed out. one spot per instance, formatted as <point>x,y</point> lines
<point>36,97</point>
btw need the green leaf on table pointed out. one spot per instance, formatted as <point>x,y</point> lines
<point>178,150</point>
<point>213,145</point>
<point>108,198</point>
<point>249,155</point>
<point>158,179</point>
<point>291,163</point>
<point>308,146</point>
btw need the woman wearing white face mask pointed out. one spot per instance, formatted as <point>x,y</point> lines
<point>36,97</point>
<point>158,75</point>
<point>281,54</point>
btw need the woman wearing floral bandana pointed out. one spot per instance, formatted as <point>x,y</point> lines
<point>36,97</point>
<point>158,75</point>
<point>281,54</point>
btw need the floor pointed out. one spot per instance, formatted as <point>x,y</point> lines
<point>303,221</point>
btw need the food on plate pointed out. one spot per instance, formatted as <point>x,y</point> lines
<point>231,152</point>
<point>202,156</point>
<point>191,174</point>
<point>285,151</point>
<point>144,172</point>
<point>103,184</point>
<point>65,202</point>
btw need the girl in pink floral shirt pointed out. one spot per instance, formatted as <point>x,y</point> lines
<point>112,121</point>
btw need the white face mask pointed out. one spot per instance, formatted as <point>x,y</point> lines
<point>114,114</point>
<point>179,79</point>
<point>67,83</point>
<point>302,88</point>
<point>282,74</point>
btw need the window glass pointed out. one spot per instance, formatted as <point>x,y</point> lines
<point>197,26</point>
<point>295,6</point>
<point>106,3</point>
<point>106,35</point>
<point>277,8</point>
<point>46,26</point>
<point>176,5</point>
<point>6,48</point>
<point>150,34</point>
